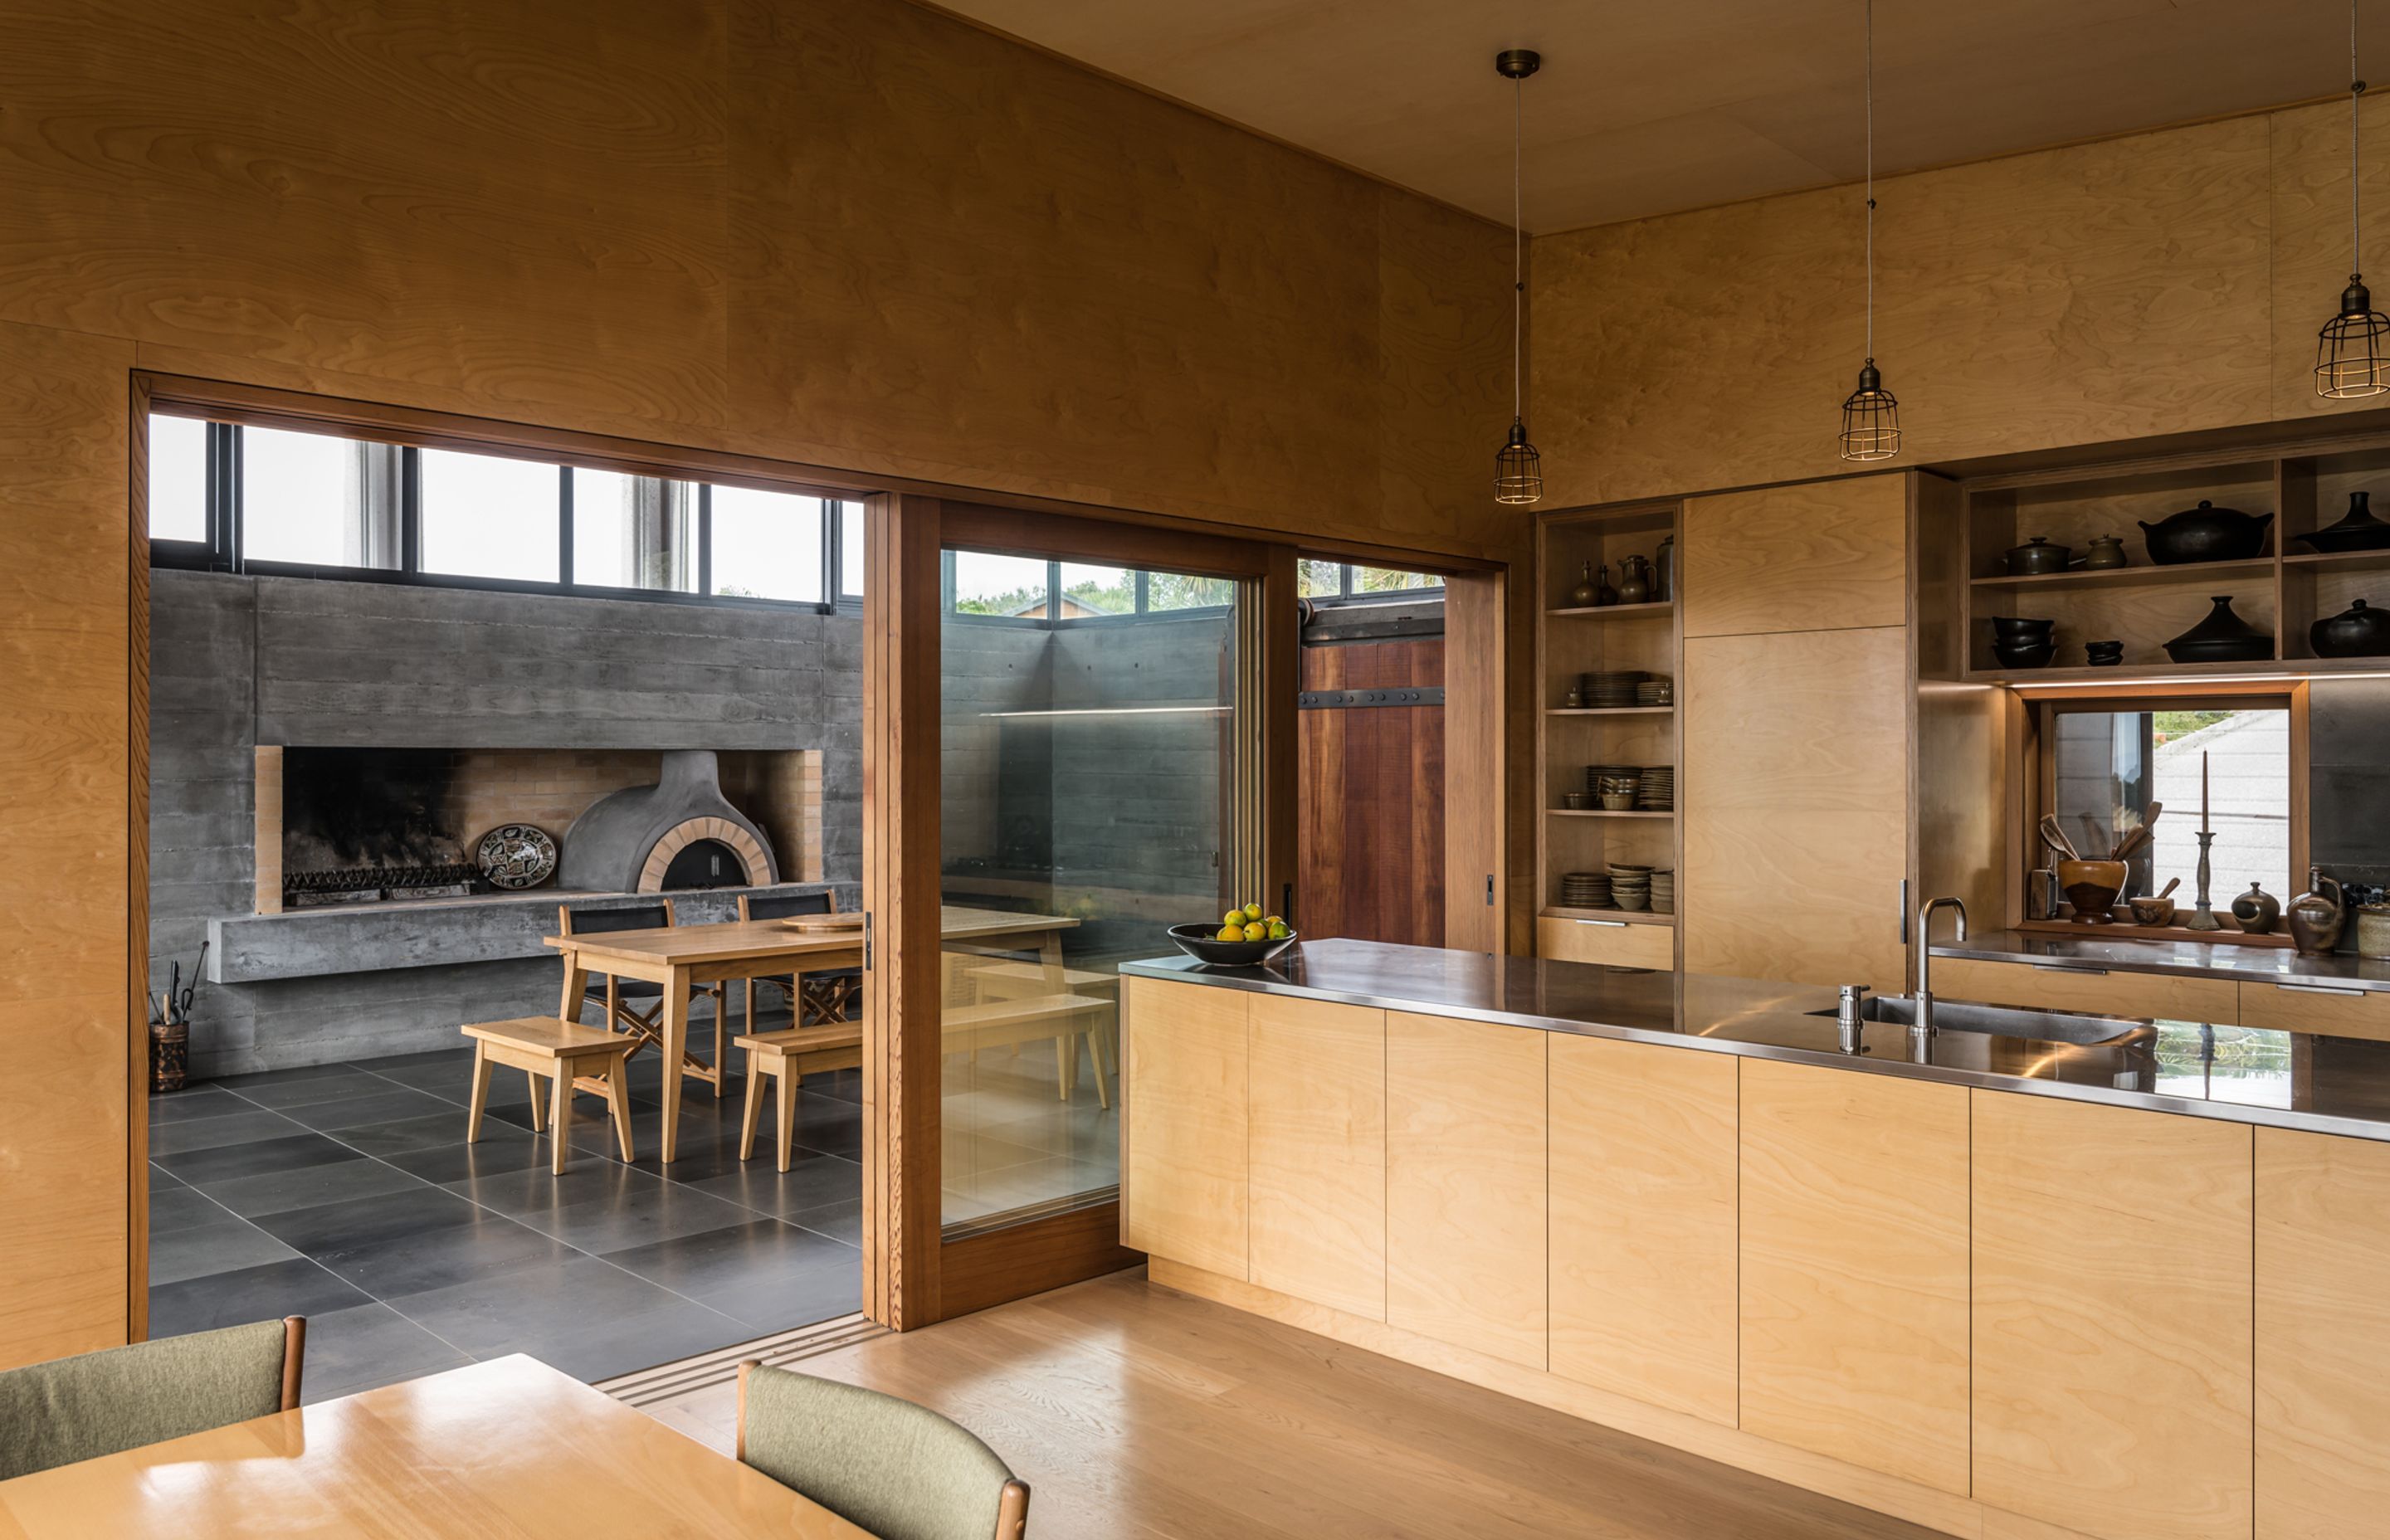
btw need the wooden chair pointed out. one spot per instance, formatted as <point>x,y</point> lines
<point>120,1398</point>
<point>814,998</point>
<point>619,996</point>
<point>554,1048</point>
<point>899,1471</point>
<point>785,1057</point>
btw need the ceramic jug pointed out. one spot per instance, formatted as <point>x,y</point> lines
<point>1634,580</point>
<point>2318,914</point>
<point>1584,593</point>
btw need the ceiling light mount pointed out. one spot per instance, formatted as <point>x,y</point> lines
<point>1517,63</point>
<point>1518,469</point>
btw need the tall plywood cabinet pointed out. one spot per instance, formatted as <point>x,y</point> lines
<point>1799,674</point>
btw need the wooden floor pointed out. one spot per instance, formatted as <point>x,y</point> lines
<point>1135,1411</point>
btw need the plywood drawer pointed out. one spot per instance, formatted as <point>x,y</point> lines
<point>1615,943</point>
<point>2114,993</point>
<point>2317,1007</point>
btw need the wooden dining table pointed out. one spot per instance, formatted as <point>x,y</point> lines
<point>677,957</point>
<point>495,1451</point>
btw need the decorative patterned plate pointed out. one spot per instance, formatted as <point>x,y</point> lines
<point>516,856</point>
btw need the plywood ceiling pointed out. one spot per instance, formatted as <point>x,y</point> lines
<point>1647,107</point>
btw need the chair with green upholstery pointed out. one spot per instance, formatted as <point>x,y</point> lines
<point>100,1402</point>
<point>900,1471</point>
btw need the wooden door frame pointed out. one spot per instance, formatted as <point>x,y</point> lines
<point>912,1275</point>
<point>1477,899</point>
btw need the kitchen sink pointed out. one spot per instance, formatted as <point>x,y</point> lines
<point>2048,1026</point>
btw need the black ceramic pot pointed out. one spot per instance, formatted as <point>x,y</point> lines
<point>2038,557</point>
<point>2024,654</point>
<point>2015,628</point>
<point>2222,637</point>
<point>2357,632</point>
<point>2206,533</point>
<point>2358,531</point>
<point>2103,654</point>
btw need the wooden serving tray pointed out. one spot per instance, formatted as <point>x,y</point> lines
<point>824,922</point>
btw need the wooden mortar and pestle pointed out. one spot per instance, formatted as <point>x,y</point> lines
<point>2158,911</point>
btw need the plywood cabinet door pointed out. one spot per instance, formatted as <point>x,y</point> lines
<point>2324,1336</point>
<point>1465,1210</point>
<point>1819,556</point>
<point>2113,1318</point>
<point>1643,1223</point>
<point>1318,1152</point>
<point>1796,806</point>
<point>1853,1253</point>
<point>1183,1143</point>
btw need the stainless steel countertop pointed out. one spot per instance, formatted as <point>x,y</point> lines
<point>2241,1075</point>
<point>2272,964</point>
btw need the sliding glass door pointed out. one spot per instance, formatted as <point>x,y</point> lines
<point>1087,790</point>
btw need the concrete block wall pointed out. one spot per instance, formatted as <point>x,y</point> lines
<point>237,661</point>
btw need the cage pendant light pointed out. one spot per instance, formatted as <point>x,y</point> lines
<point>1871,414</point>
<point>2353,350</point>
<point>1518,469</point>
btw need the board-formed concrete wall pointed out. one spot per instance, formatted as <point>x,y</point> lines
<point>235,661</point>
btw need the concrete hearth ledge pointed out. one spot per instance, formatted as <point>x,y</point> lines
<point>428,932</point>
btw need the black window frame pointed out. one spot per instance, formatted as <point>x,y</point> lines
<point>1054,595</point>
<point>1346,594</point>
<point>223,550</point>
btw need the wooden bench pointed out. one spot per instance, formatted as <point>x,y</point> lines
<point>1063,1018</point>
<point>786,1056</point>
<point>553,1047</point>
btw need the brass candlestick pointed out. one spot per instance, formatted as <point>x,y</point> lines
<point>2204,917</point>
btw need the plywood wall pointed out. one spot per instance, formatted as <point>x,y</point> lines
<point>864,235</point>
<point>65,861</point>
<point>2163,282</point>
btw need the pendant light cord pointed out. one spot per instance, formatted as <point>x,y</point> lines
<point>1518,256</point>
<point>1871,178</point>
<point>2356,90</point>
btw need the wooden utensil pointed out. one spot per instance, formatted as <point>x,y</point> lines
<point>2172,883</point>
<point>2143,835</point>
<point>2055,837</point>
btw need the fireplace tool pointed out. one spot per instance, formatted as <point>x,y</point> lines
<point>170,1027</point>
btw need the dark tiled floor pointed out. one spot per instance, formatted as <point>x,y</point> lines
<point>346,1193</point>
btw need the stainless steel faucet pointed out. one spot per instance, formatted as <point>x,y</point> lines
<point>1923,1026</point>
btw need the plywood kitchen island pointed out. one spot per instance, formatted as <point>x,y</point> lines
<point>1999,1286</point>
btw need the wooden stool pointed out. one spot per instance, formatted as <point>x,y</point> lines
<point>552,1046</point>
<point>789,1056</point>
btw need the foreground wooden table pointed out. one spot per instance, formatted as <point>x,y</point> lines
<point>676,956</point>
<point>506,1448</point>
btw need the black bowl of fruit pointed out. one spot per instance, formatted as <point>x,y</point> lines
<point>1243,938</point>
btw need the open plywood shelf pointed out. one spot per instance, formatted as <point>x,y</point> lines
<point>2283,591</point>
<point>1573,640</point>
<point>1658,610</point>
<point>1610,711</point>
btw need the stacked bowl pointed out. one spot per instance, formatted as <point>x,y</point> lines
<point>1612,689</point>
<point>1630,885</point>
<point>1658,690</point>
<point>1663,892</point>
<point>1585,890</point>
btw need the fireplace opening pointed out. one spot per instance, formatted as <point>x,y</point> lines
<point>704,863</point>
